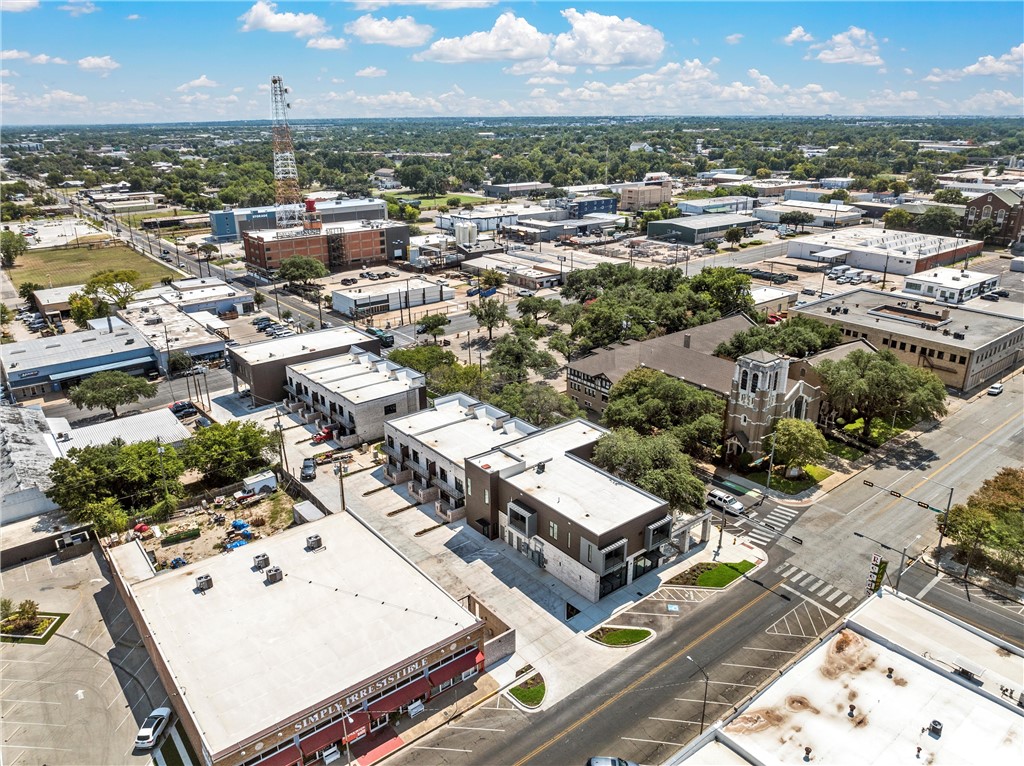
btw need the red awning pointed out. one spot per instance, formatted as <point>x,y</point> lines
<point>290,755</point>
<point>400,698</point>
<point>456,668</point>
<point>358,727</point>
<point>318,740</point>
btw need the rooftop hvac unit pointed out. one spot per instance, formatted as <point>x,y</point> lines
<point>261,561</point>
<point>313,542</point>
<point>274,574</point>
<point>935,728</point>
<point>204,582</point>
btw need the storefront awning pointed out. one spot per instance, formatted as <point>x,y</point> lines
<point>400,698</point>
<point>456,668</point>
<point>287,757</point>
<point>340,731</point>
<point>138,362</point>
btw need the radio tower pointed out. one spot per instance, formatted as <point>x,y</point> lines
<point>286,175</point>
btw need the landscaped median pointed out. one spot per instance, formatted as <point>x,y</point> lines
<point>27,625</point>
<point>712,574</point>
<point>610,635</point>
<point>529,692</point>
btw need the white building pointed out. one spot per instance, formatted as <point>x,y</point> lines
<point>491,217</point>
<point>428,450</point>
<point>355,393</point>
<point>951,285</point>
<point>389,296</point>
<point>837,182</point>
<point>825,214</point>
<point>27,450</point>
<point>167,330</point>
<point>894,252</point>
<point>159,425</point>
<point>740,204</point>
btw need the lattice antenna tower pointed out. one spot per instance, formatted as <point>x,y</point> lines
<point>286,174</point>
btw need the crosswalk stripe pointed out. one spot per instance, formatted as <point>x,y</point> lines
<point>815,585</point>
<point>823,591</point>
<point>845,599</point>
<point>799,577</point>
<point>835,595</point>
<point>791,570</point>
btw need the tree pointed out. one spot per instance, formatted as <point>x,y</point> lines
<point>799,336</point>
<point>711,246</point>
<point>451,378</point>
<point>535,308</point>
<point>899,188</point>
<point>116,286</point>
<point>984,229</point>
<point>82,308</point>
<point>12,247</point>
<point>517,352</point>
<point>286,314</point>
<point>880,385</point>
<point>993,517</point>
<point>492,278</point>
<point>564,344</point>
<point>938,220</point>
<point>6,315</point>
<point>422,358</point>
<point>796,218</point>
<point>734,236</point>
<point>110,389</point>
<point>897,218</point>
<point>797,442</point>
<point>209,249</point>
<point>259,298</point>
<point>434,325</point>
<point>949,197</point>
<point>27,289</point>
<point>178,361</point>
<point>228,452</point>
<point>536,403</point>
<point>106,516</point>
<point>301,269</point>
<point>6,608</point>
<point>653,463</point>
<point>649,402</point>
<point>489,313</point>
<point>728,290</point>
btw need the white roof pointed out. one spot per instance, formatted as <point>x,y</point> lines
<point>766,294</point>
<point>297,345</point>
<point>144,427</point>
<point>28,449</point>
<point>955,279</point>
<point>360,376</point>
<point>388,288</point>
<point>809,705</point>
<point>246,655</point>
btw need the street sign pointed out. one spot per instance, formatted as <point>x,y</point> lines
<point>876,559</point>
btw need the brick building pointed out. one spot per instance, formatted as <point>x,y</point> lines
<point>340,246</point>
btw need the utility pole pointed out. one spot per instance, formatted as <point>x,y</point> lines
<point>704,707</point>
<point>163,473</point>
<point>903,558</point>
<point>342,470</point>
<point>945,521</point>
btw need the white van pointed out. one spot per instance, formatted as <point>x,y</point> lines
<point>839,271</point>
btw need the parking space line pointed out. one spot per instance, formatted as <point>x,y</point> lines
<point>31,702</point>
<point>32,723</point>
<point>23,681</point>
<point>732,683</point>
<point>652,741</point>
<point>710,702</point>
<point>760,649</point>
<point>670,720</point>
<point>446,749</point>
<point>473,728</point>
<point>180,746</point>
<point>656,614</point>
<point>812,601</point>
<point>30,747</point>
<point>755,667</point>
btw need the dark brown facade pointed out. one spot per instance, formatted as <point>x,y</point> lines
<point>1005,208</point>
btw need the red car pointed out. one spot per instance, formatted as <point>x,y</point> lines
<point>325,434</point>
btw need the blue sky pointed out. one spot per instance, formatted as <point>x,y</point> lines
<point>101,61</point>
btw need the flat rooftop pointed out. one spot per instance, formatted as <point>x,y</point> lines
<point>70,348</point>
<point>388,288</point>
<point>247,654</point>
<point>334,227</point>
<point>175,329</point>
<point>144,427</point>
<point>297,345</point>
<point>865,239</point>
<point>808,706</point>
<point>710,220</point>
<point>28,449</point>
<point>956,279</point>
<point>592,498</point>
<point>360,376</point>
<point>897,313</point>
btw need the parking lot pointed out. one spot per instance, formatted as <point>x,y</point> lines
<point>79,699</point>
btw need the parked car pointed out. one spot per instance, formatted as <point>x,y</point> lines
<point>990,297</point>
<point>524,293</point>
<point>725,502</point>
<point>166,252</point>
<point>152,728</point>
<point>609,760</point>
<point>308,472</point>
<point>809,291</point>
<point>1001,293</point>
<point>165,258</point>
<point>323,435</point>
<point>179,407</point>
<point>203,422</point>
<point>995,389</point>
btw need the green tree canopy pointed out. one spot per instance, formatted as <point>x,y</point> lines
<point>653,463</point>
<point>734,235</point>
<point>649,401</point>
<point>897,218</point>
<point>301,269</point>
<point>110,389</point>
<point>799,336</point>
<point>492,278</point>
<point>12,247</point>
<point>949,196</point>
<point>516,353</point>
<point>422,358</point>
<point>536,403</point>
<point>489,313</point>
<point>994,518</point>
<point>452,378</point>
<point>796,218</point>
<point>434,325</point>
<point>797,442</point>
<point>228,452</point>
<point>940,220</point>
<point>880,385</point>
<point>116,286</point>
<point>26,290</point>
<point>536,308</point>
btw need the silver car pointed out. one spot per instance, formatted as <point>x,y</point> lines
<point>152,728</point>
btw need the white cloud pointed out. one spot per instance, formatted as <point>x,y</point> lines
<point>8,73</point>
<point>239,89</point>
<point>18,6</point>
<point>132,17</point>
<point>545,80</point>
<point>263,87</point>
<point>1007,65</point>
<point>194,98</point>
<point>14,54</point>
<point>538,92</point>
<point>57,97</point>
<point>797,35</point>
<point>263,15</point>
<point>538,66</point>
<point>907,70</point>
<point>434,5</point>
<point>42,58</point>
<point>200,82</point>
<point>991,102</point>
<point>734,39</point>
<point>607,41</point>
<point>854,46</point>
<point>510,39</point>
<point>372,71</point>
<point>402,32</point>
<point>78,7</point>
<point>103,64</point>
<point>327,43</point>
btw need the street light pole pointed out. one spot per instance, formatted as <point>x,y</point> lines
<point>945,521</point>
<point>903,558</point>
<point>345,720</point>
<point>342,468</point>
<point>707,680</point>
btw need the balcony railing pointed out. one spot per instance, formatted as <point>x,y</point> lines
<point>416,468</point>
<point>395,452</point>
<point>448,489</point>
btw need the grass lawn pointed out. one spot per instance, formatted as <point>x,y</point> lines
<point>137,218</point>
<point>48,629</point>
<point>724,574</point>
<point>620,636</point>
<point>531,691</point>
<point>75,265</point>
<point>814,475</point>
<point>427,203</point>
<point>881,429</point>
<point>845,451</point>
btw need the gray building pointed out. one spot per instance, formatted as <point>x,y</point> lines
<point>700,228</point>
<point>27,450</point>
<point>228,224</point>
<point>355,393</point>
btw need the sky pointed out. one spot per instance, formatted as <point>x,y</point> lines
<point>124,61</point>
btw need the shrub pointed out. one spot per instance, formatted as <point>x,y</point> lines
<point>177,537</point>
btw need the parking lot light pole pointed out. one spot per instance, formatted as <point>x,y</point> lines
<point>345,720</point>
<point>707,680</point>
